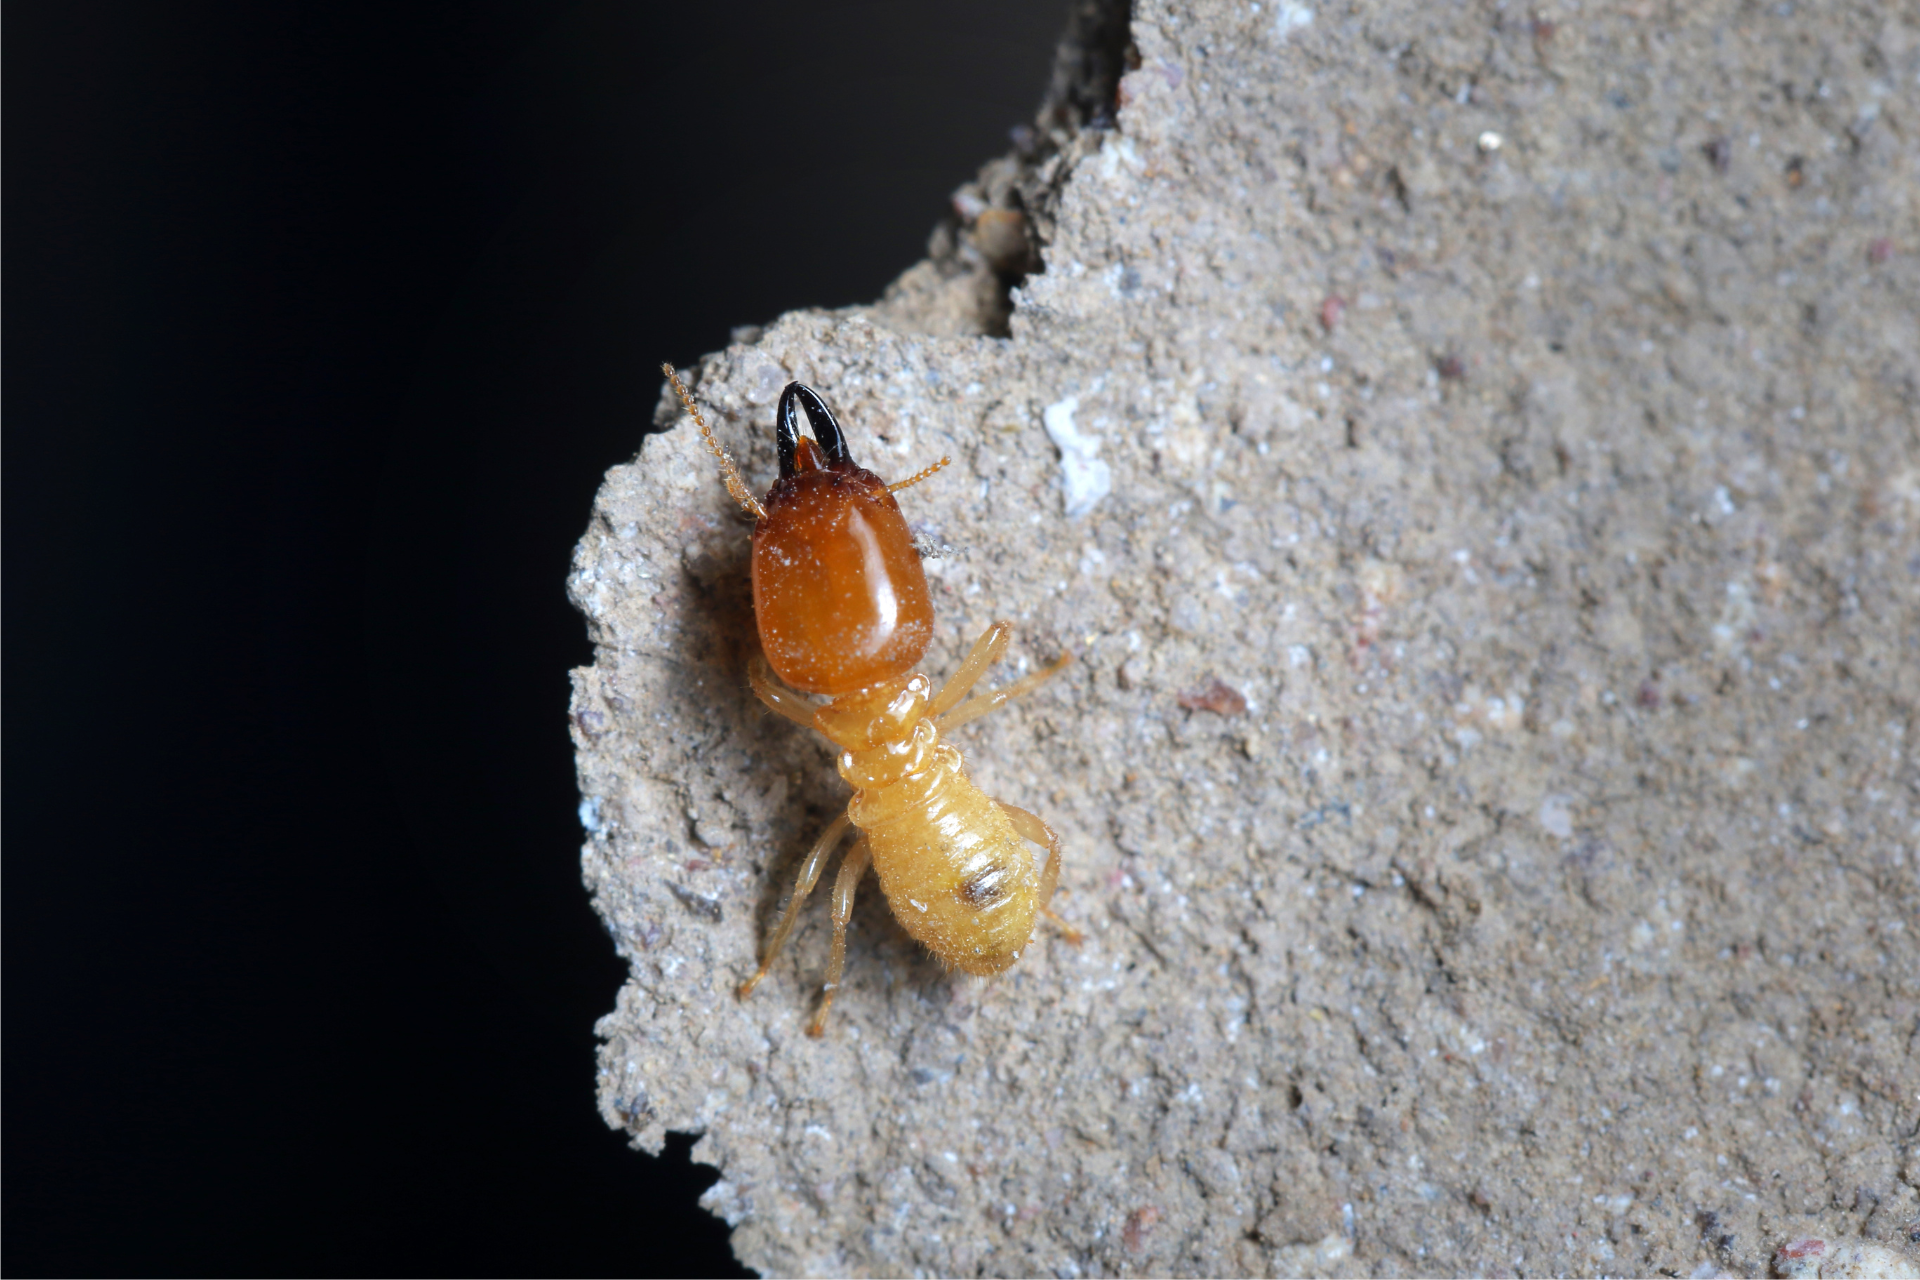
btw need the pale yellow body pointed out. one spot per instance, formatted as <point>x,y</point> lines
<point>958,868</point>
<point>959,879</point>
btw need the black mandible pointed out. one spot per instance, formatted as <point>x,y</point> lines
<point>826,427</point>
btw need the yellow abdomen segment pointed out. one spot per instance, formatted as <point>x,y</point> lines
<point>959,878</point>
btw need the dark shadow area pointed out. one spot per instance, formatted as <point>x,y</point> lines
<point>322,323</point>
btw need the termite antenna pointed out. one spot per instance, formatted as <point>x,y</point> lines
<point>917,476</point>
<point>728,471</point>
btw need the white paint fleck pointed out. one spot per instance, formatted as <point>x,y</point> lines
<point>1290,17</point>
<point>1556,816</point>
<point>1088,477</point>
<point>590,815</point>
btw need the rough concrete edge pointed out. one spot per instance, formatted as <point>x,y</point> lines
<point>960,276</point>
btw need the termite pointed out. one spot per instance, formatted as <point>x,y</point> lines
<point>843,612</point>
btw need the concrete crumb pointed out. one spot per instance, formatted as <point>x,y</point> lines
<point>1546,902</point>
<point>1816,1259</point>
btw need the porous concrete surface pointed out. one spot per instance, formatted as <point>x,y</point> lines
<point>1816,1259</point>
<point>1516,409</point>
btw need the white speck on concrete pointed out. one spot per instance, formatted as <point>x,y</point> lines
<point>1290,17</point>
<point>1088,477</point>
<point>1556,817</point>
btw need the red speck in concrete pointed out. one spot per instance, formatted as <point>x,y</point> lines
<point>1139,1227</point>
<point>1221,699</point>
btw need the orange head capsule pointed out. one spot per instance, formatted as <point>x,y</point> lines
<point>838,589</point>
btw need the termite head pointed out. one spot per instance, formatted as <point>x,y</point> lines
<point>838,589</point>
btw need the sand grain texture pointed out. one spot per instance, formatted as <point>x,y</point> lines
<point>1514,414</point>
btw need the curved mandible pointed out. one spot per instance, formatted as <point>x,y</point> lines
<point>826,427</point>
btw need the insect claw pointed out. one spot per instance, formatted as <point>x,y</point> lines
<point>1067,931</point>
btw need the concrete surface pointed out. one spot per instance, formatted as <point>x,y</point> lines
<point>1472,451</point>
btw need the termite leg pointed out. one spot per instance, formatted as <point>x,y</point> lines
<point>1032,826</point>
<point>985,652</point>
<point>975,707</point>
<point>802,887</point>
<point>780,701</point>
<point>852,867</point>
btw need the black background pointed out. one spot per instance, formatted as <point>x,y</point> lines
<point>322,321</point>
